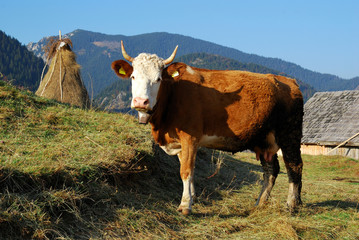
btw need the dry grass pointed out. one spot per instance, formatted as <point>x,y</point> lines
<point>67,173</point>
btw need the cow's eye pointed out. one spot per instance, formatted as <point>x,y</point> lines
<point>158,80</point>
<point>133,77</point>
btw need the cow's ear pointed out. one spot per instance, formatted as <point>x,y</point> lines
<point>122,68</point>
<point>174,71</point>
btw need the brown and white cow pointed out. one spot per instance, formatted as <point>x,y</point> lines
<point>228,110</point>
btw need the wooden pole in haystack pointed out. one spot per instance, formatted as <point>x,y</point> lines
<point>60,78</point>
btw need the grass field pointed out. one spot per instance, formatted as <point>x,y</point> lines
<point>66,173</point>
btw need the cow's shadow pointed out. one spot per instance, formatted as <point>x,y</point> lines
<point>345,205</point>
<point>99,195</point>
<point>214,171</point>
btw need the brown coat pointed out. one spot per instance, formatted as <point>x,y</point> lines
<point>242,107</point>
<point>227,110</point>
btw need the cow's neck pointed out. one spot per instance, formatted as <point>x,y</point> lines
<point>161,114</point>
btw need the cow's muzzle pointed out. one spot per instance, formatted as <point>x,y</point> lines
<point>143,117</point>
<point>141,103</point>
<point>143,107</point>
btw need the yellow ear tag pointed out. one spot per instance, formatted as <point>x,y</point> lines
<point>175,74</point>
<point>122,71</point>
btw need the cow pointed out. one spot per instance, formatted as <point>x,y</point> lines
<point>190,107</point>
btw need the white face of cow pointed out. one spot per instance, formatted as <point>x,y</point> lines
<point>146,75</point>
<point>146,80</point>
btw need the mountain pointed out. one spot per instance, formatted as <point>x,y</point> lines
<point>96,51</point>
<point>357,88</point>
<point>17,64</point>
<point>117,96</point>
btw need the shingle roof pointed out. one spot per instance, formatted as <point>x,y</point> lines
<point>331,117</point>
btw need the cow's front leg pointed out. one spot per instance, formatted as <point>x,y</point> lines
<point>187,159</point>
<point>192,189</point>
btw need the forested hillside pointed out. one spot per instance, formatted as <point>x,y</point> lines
<point>17,64</point>
<point>96,51</point>
<point>211,61</point>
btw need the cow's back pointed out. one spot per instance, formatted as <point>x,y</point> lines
<point>241,100</point>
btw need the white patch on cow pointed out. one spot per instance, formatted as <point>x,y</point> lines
<point>146,76</point>
<point>187,199</point>
<point>172,148</point>
<point>290,190</point>
<point>190,70</point>
<point>143,117</point>
<point>192,182</point>
<point>193,192</point>
<point>293,189</point>
<point>273,146</point>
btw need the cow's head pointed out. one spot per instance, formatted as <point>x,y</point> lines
<point>146,75</point>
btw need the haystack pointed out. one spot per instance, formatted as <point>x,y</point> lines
<point>62,81</point>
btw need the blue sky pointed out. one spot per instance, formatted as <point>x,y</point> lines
<point>320,35</point>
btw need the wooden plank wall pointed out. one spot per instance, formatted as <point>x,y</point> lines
<point>351,152</point>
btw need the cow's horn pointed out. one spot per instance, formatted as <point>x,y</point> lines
<point>124,53</point>
<point>170,59</point>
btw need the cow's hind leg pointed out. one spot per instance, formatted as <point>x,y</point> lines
<point>294,164</point>
<point>289,142</point>
<point>270,173</point>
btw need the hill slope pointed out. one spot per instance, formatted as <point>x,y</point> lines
<point>96,51</point>
<point>19,65</point>
<point>60,164</point>
<point>67,173</point>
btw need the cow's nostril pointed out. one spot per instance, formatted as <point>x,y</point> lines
<point>141,102</point>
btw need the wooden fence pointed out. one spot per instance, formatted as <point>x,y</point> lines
<point>347,151</point>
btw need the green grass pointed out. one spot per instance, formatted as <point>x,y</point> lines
<point>67,173</point>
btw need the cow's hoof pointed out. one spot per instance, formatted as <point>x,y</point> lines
<point>293,206</point>
<point>184,211</point>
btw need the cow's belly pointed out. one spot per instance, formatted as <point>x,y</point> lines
<point>213,142</point>
<point>229,144</point>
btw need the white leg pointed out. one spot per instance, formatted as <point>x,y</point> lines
<point>186,202</point>
<point>293,196</point>
<point>188,193</point>
<point>193,192</point>
<point>187,158</point>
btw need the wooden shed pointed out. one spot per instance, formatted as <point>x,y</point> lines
<point>331,124</point>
